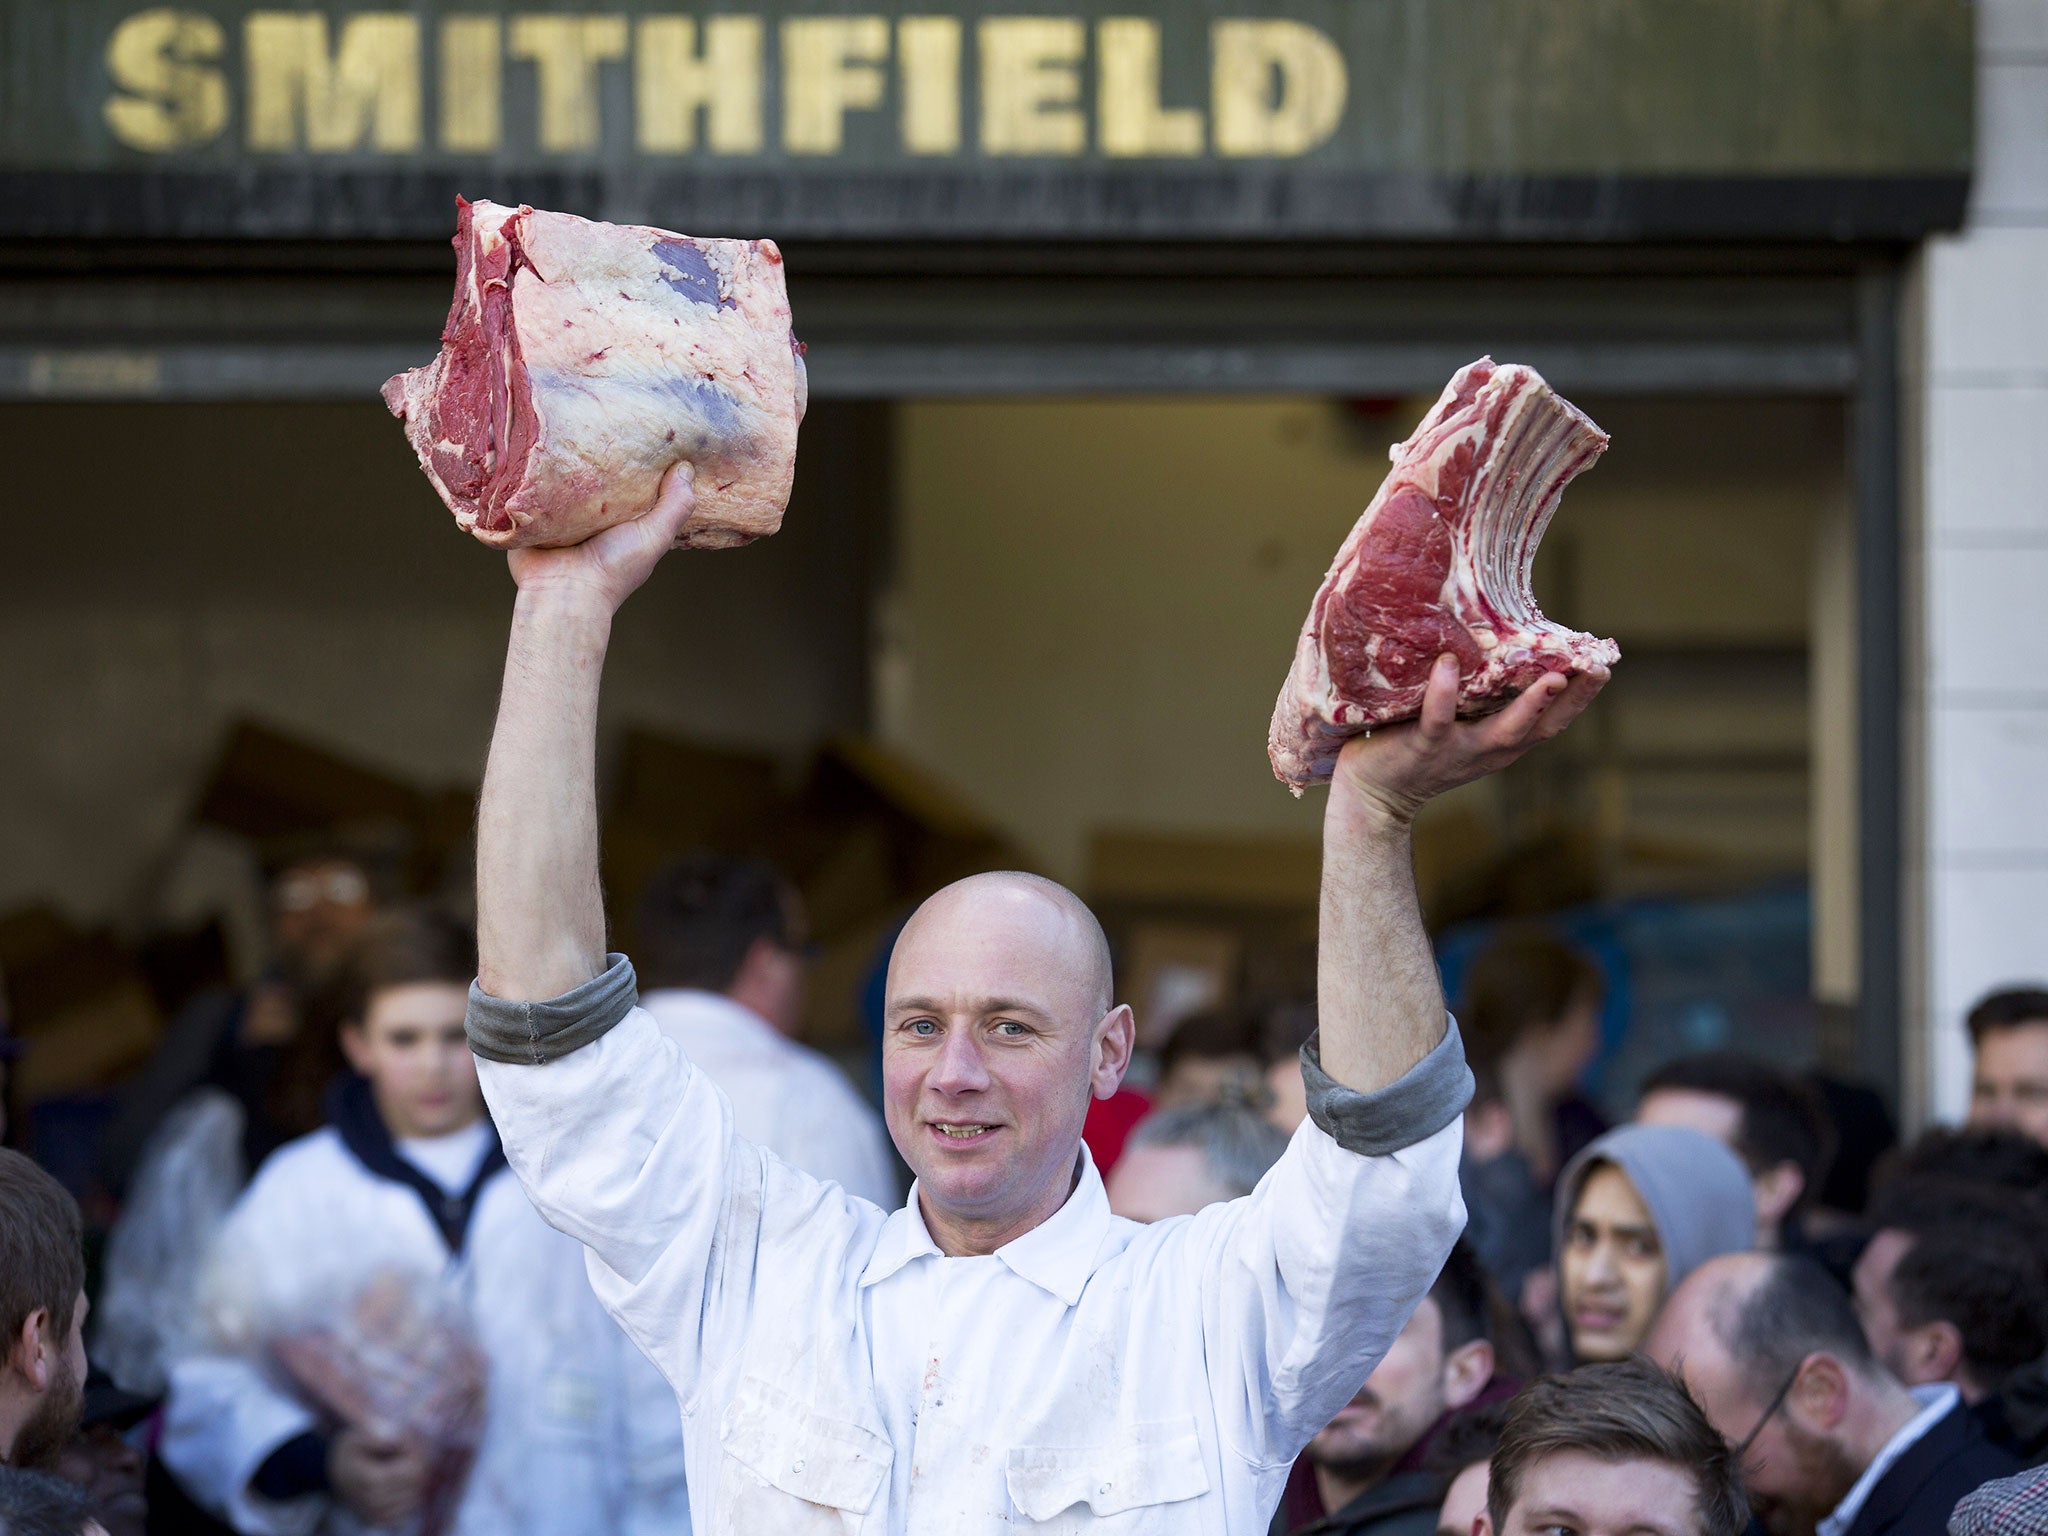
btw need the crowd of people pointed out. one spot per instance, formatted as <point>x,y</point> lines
<point>1673,1288</point>
<point>485,1230</point>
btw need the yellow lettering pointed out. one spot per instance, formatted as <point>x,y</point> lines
<point>367,89</point>
<point>928,63</point>
<point>1277,87</point>
<point>566,52</point>
<point>472,94</point>
<point>1031,85</point>
<point>178,99</point>
<point>831,65</point>
<point>673,83</point>
<point>1129,117</point>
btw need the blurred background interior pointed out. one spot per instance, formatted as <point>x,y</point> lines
<point>1038,631</point>
<point>1085,429</point>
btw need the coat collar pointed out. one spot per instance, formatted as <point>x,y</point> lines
<point>352,1111</point>
<point>1058,1255</point>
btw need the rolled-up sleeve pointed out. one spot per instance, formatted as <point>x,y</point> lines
<point>1414,1107</point>
<point>532,1034</point>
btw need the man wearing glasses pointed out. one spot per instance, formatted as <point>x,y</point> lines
<point>1830,1443</point>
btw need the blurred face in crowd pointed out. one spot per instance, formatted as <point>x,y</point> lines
<point>50,1359</point>
<point>1776,1190</point>
<point>1561,1051</point>
<point>1202,1079</point>
<point>1708,1113</point>
<point>1289,1095</point>
<point>998,1032</point>
<point>318,909</point>
<point>2009,1088</point>
<point>1464,1502</point>
<point>110,1470</point>
<point>1589,1495</point>
<point>771,977</point>
<point>1153,1183</point>
<point>1795,1468</point>
<point>412,1048</point>
<point>1611,1272</point>
<point>1412,1387</point>
<point>1915,1355</point>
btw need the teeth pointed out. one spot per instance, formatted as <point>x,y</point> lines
<point>961,1132</point>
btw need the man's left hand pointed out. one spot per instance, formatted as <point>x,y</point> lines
<point>1396,769</point>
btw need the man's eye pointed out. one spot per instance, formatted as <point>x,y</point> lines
<point>926,1027</point>
<point>1011,1029</point>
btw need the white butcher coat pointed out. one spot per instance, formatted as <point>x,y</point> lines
<point>838,1375</point>
<point>581,1436</point>
<point>786,1098</point>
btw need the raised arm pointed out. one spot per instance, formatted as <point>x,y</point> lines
<point>540,913</point>
<point>1379,1006</point>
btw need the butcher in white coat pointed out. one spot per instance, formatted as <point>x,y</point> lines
<point>1000,1353</point>
<point>407,1183</point>
<point>722,970</point>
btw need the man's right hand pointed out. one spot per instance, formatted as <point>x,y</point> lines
<point>379,1476</point>
<point>610,566</point>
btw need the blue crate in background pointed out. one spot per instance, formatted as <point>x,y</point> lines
<point>1729,973</point>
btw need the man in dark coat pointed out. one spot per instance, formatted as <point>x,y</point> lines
<point>1833,1444</point>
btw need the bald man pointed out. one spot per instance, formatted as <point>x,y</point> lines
<point>1002,1352</point>
<point>1830,1441</point>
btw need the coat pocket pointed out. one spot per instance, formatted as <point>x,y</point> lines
<point>1137,1468</point>
<point>789,1469</point>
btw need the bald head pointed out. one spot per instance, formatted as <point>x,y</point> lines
<point>1026,917</point>
<point>1763,1313</point>
<point>1701,1312</point>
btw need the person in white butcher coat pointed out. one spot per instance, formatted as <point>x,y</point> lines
<point>580,1435</point>
<point>722,961</point>
<point>1001,1353</point>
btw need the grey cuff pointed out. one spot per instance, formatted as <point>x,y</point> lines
<point>529,1034</point>
<point>1426,1098</point>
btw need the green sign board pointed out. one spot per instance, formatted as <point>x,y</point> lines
<point>877,119</point>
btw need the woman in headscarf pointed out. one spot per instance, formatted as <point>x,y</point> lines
<point>1636,1212</point>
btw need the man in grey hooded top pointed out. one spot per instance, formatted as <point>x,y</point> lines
<point>1637,1211</point>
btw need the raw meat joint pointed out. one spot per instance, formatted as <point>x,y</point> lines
<point>581,360</point>
<point>1440,562</point>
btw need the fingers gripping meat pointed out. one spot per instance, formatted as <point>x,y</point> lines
<point>1439,563</point>
<point>582,360</point>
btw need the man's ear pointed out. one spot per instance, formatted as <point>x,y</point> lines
<point>27,1355</point>
<point>1115,1038</point>
<point>355,1045</point>
<point>1482,1524</point>
<point>1467,1370</point>
<point>1777,1190</point>
<point>1820,1394</point>
<point>1934,1352</point>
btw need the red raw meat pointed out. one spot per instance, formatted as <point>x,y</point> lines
<point>581,360</point>
<point>1440,562</point>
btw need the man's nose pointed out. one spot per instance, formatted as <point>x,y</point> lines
<point>1600,1266</point>
<point>960,1068</point>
